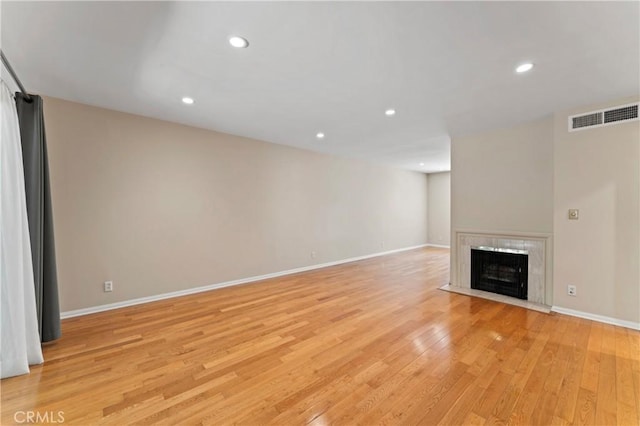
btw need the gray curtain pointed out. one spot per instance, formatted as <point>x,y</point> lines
<point>36,180</point>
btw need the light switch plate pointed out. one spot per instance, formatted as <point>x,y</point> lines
<point>574,214</point>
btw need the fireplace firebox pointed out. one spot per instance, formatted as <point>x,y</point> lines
<point>499,270</point>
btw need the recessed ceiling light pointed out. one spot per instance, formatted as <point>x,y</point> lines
<point>390,112</point>
<point>239,42</point>
<point>320,135</point>
<point>422,164</point>
<point>524,67</point>
<point>187,100</point>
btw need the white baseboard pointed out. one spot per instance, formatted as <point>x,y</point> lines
<point>437,245</point>
<point>163,296</point>
<point>595,317</point>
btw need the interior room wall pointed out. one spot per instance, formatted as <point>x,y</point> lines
<point>597,171</point>
<point>439,209</point>
<point>502,182</point>
<point>159,207</point>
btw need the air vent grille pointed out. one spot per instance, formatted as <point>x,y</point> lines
<point>603,117</point>
<point>587,120</point>
<point>621,114</point>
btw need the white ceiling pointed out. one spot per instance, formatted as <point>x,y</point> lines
<point>447,68</point>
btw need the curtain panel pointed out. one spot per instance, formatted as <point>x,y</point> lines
<point>39,213</point>
<point>19,338</point>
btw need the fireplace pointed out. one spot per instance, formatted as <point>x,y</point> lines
<point>499,270</point>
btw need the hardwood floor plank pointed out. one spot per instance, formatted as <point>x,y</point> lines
<point>577,337</point>
<point>606,404</point>
<point>488,399</point>
<point>369,342</point>
<point>585,413</point>
<point>473,419</point>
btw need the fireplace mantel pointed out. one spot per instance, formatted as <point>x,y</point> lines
<point>537,245</point>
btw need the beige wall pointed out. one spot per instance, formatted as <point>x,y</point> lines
<point>503,180</point>
<point>160,207</point>
<point>598,172</point>
<point>439,210</point>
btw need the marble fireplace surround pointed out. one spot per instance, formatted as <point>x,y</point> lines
<point>538,246</point>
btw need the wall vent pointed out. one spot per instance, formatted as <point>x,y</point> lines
<point>604,117</point>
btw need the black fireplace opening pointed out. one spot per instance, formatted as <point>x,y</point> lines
<point>502,271</point>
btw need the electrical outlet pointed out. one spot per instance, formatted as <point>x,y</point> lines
<point>571,290</point>
<point>313,254</point>
<point>108,286</point>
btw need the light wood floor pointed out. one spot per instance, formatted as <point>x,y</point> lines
<point>362,343</point>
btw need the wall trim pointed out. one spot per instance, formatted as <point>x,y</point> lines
<point>170,295</point>
<point>596,317</point>
<point>437,245</point>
